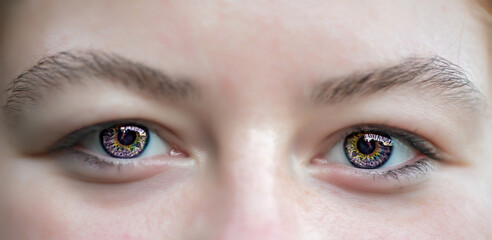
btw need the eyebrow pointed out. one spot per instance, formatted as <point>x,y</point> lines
<point>51,72</point>
<point>435,75</point>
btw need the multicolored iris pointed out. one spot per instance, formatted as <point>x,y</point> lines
<point>368,149</point>
<point>124,141</point>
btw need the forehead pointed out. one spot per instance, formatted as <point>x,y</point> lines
<point>244,40</point>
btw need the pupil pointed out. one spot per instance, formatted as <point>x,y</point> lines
<point>366,147</point>
<point>127,138</point>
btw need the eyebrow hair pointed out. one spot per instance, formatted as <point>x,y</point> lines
<point>51,72</point>
<point>434,75</point>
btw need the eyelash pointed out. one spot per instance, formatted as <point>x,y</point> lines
<point>98,162</point>
<point>419,143</point>
<point>68,144</point>
<point>413,170</point>
<point>102,163</point>
<point>418,168</point>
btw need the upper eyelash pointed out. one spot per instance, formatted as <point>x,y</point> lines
<point>420,144</point>
<point>420,167</point>
<point>68,145</point>
<point>415,169</point>
<point>74,137</point>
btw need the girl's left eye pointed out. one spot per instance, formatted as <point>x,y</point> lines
<point>376,159</point>
<point>371,149</point>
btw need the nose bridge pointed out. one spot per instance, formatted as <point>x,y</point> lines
<point>250,168</point>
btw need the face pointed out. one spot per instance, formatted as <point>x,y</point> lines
<point>245,120</point>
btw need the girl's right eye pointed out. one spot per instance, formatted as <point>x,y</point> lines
<point>119,152</point>
<point>125,141</point>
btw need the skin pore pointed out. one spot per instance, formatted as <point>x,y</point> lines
<point>251,102</point>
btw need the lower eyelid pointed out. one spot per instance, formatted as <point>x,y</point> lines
<point>90,168</point>
<point>106,161</point>
<point>374,180</point>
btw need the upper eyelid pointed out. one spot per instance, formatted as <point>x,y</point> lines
<point>414,140</point>
<point>406,136</point>
<point>72,138</point>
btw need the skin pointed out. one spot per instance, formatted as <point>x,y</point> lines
<point>251,136</point>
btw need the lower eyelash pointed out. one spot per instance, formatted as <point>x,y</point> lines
<point>94,161</point>
<point>91,160</point>
<point>417,169</point>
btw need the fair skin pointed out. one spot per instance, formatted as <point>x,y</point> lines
<point>253,138</point>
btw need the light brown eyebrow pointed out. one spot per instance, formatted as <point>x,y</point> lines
<point>29,88</point>
<point>435,75</point>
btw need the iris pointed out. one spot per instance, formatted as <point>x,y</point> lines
<point>124,141</point>
<point>368,149</point>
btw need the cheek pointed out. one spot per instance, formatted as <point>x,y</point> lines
<point>46,207</point>
<point>43,220</point>
<point>460,208</point>
<point>33,210</point>
<point>450,207</point>
<point>43,214</point>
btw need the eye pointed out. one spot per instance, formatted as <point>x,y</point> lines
<point>367,149</point>
<point>125,141</point>
<point>370,157</point>
<point>371,150</point>
<point>120,152</point>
